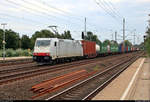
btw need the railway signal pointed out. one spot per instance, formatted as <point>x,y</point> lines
<point>83,35</point>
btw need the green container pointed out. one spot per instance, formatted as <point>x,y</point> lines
<point>129,48</point>
<point>114,47</point>
<point>103,48</point>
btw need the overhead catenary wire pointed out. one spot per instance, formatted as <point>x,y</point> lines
<point>112,9</point>
<point>103,6</point>
<point>11,22</point>
<point>36,11</point>
<point>107,7</point>
<point>28,2</point>
<point>28,10</point>
<point>22,19</point>
<point>40,13</point>
<point>79,18</point>
<point>62,14</point>
<point>25,25</point>
<point>112,5</point>
<point>106,11</point>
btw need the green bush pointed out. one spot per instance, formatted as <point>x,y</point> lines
<point>1,53</point>
<point>25,53</point>
<point>10,53</point>
<point>19,52</point>
<point>16,53</point>
<point>148,46</point>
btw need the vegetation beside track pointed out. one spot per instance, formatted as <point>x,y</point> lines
<point>147,41</point>
<point>18,46</point>
<point>16,53</point>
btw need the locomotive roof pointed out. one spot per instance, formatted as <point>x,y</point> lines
<point>45,38</point>
<point>56,39</point>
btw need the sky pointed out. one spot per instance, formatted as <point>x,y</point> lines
<point>103,17</point>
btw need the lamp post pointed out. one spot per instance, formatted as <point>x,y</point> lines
<point>4,24</point>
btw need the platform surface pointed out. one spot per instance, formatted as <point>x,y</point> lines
<point>132,84</point>
<point>141,90</point>
<point>14,58</point>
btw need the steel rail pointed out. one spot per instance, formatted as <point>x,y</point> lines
<point>85,81</point>
<point>89,96</point>
<point>23,75</point>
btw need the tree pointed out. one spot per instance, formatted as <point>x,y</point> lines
<point>107,42</point>
<point>114,42</point>
<point>66,35</point>
<point>128,43</point>
<point>41,34</point>
<point>148,32</point>
<point>12,39</point>
<point>91,37</point>
<point>1,38</point>
<point>48,34</point>
<point>25,42</point>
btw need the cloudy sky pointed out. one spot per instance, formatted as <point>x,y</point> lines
<point>104,17</point>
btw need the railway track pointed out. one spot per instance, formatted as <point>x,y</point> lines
<point>23,73</point>
<point>34,66</point>
<point>16,67</point>
<point>15,62</point>
<point>88,88</point>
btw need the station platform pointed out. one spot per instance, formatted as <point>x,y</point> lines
<point>15,58</point>
<point>132,84</point>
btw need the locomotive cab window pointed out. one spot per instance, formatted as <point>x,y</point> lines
<point>44,43</point>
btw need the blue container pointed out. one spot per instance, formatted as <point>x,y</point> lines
<point>120,48</point>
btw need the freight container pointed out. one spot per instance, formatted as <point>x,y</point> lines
<point>97,49</point>
<point>114,47</point>
<point>121,48</point>
<point>103,48</point>
<point>89,49</point>
<point>133,49</point>
<point>129,48</point>
<point>108,49</point>
<point>126,49</point>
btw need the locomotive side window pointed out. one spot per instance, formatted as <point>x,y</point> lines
<point>55,44</point>
<point>42,43</point>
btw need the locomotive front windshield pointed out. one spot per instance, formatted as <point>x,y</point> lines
<point>42,43</point>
